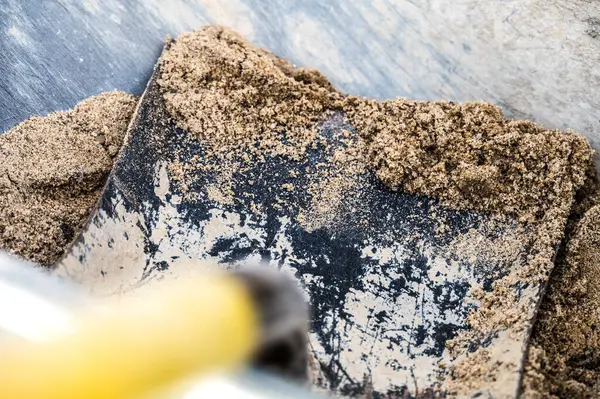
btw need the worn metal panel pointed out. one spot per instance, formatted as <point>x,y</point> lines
<point>384,272</point>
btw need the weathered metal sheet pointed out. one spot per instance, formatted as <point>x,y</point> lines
<point>387,281</point>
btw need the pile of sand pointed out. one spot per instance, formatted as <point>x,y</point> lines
<point>244,101</point>
<point>52,172</point>
<point>564,357</point>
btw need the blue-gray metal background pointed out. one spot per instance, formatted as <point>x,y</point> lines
<point>536,59</point>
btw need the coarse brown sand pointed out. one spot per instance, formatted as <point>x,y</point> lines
<point>52,172</point>
<point>242,101</point>
<point>564,352</point>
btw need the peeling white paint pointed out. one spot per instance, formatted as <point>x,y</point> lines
<point>386,333</point>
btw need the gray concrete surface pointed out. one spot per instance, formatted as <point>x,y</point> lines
<point>537,59</point>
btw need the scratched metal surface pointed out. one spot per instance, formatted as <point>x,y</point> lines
<point>390,277</point>
<point>536,58</point>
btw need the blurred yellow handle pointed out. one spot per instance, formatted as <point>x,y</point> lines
<point>140,343</point>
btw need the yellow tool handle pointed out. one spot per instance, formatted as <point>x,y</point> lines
<point>140,343</point>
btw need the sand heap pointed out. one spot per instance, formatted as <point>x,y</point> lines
<point>564,357</point>
<point>52,172</point>
<point>241,100</point>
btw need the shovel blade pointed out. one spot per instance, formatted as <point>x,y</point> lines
<point>389,276</point>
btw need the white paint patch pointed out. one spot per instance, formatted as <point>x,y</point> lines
<point>386,352</point>
<point>383,331</point>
